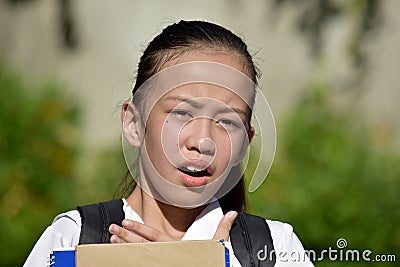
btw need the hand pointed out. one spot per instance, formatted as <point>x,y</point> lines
<point>135,232</point>
<point>224,226</point>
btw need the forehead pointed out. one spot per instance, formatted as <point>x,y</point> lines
<point>202,79</point>
<point>203,92</point>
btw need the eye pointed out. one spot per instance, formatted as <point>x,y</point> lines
<point>228,123</point>
<point>180,114</point>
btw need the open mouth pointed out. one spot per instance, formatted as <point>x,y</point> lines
<point>195,172</point>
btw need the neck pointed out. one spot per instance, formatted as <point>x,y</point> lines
<point>169,219</point>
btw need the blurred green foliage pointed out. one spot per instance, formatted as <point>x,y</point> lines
<point>44,167</point>
<point>333,178</point>
<point>99,175</point>
<point>38,144</point>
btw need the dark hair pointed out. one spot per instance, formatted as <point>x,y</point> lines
<point>175,40</point>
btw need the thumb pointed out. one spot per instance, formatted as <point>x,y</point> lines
<point>225,225</point>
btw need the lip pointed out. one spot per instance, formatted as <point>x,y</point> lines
<point>193,181</point>
<point>198,163</point>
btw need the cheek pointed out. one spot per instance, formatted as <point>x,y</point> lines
<point>225,146</point>
<point>169,135</point>
<point>231,146</point>
<point>153,137</point>
<point>162,140</point>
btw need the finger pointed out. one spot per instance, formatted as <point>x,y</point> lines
<point>115,240</point>
<point>225,225</point>
<point>125,235</point>
<point>147,232</point>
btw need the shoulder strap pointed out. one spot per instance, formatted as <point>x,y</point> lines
<point>252,242</point>
<point>96,219</point>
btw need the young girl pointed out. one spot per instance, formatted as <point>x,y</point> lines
<point>189,120</point>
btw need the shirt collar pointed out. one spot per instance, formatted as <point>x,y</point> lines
<point>203,227</point>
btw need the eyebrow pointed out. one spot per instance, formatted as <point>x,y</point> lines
<point>198,105</point>
<point>184,99</point>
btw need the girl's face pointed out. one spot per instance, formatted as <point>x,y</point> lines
<point>194,134</point>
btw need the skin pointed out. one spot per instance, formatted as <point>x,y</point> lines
<point>218,129</point>
<point>163,222</point>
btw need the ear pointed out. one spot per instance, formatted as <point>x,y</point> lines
<point>245,145</point>
<point>131,124</point>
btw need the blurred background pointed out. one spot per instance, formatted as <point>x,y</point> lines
<point>330,72</point>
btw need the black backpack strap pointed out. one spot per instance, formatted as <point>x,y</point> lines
<point>249,235</point>
<point>96,219</point>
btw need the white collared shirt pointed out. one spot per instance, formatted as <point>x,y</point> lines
<point>66,227</point>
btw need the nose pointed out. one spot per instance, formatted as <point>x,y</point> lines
<point>199,136</point>
<point>207,146</point>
